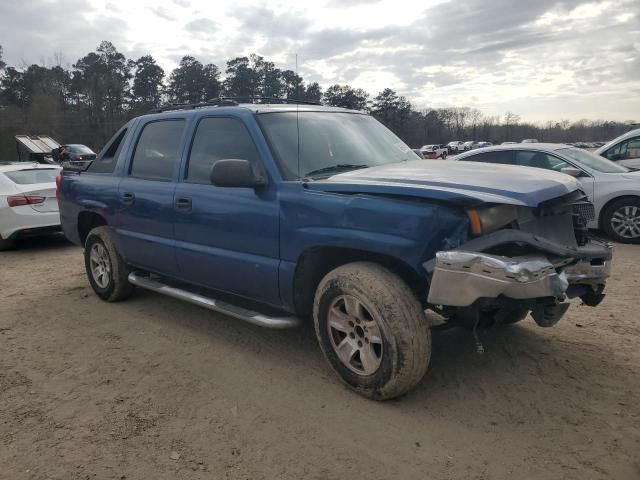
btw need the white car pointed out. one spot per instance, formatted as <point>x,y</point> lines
<point>455,146</point>
<point>434,151</point>
<point>624,150</point>
<point>613,189</point>
<point>28,204</point>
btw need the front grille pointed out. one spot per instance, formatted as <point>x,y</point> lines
<point>585,210</point>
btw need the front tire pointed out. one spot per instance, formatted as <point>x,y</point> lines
<point>621,220</point>
<point>372,330</point>
<point>6,244</point>
<point>106,270</point>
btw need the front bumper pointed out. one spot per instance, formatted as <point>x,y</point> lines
<point>460,277</point>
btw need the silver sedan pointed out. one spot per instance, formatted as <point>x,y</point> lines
<point>613,189</point>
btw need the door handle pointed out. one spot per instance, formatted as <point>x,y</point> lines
<point>128,198</point>
<point>183,203</point>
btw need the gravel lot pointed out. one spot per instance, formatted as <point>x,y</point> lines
<point>153,388</point>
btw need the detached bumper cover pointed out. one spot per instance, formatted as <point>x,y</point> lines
<point>460,277</point>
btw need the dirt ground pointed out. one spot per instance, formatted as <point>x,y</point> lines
<point>153,388</point>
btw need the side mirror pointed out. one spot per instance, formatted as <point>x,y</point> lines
<point>236,173</point>
<point>574,172</point>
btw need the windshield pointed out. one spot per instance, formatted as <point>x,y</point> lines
<point>331,142</point>
<point>593,161</point>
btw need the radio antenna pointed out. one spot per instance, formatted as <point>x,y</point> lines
<point>298,114</point>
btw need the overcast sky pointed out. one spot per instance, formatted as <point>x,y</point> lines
<point>543,59</point>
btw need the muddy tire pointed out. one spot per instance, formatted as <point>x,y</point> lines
<point>621,220</point>
<point>5,244</point>
<point>106,270</point>
<point>372,330</point>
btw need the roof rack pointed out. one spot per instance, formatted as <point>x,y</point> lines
<point>228,102</point>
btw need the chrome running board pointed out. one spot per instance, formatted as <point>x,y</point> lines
<point>136,278</point>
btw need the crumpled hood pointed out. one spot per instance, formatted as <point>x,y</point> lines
<point>461,182</point>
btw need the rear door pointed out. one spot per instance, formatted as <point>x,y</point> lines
<point>146,197</point>
<point>227,238</point>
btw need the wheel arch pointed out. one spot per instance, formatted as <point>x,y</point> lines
<point>87,221</point>
<point>608,204</point>
<point>315,262</point>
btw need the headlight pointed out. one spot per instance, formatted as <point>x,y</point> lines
<point>489,219</point>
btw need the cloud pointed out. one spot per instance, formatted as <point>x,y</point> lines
<point>202,25</point>
<point>349,3</point>
<point>30,35</point>
<point>505,54</point>
<point>161,12</point>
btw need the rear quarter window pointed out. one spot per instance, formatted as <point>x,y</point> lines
<point>106,162</point>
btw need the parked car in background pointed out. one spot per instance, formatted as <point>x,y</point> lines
<point>74,152</point>
<point>482,145</point>
<point>529,140</point>
<point>28,205</point>
<point>613,189</point>
<point>509,143</point>
<point>455,146</point>
<point>275,213</point>
<point>434,151</point>
<point>624,149</point>
<point>468,145</point>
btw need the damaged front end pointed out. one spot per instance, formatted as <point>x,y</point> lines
<point>530,260</point>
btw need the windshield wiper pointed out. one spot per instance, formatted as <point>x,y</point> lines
<point>334,168</point>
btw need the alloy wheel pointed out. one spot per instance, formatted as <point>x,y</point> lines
<point>625,222</point>
<point>100,265</point>
<point>355,335</point>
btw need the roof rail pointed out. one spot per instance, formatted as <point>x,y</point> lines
<point>270,99</point>
<point>227,102</point>
<point>219,102</point>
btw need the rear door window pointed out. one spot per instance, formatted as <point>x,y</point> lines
<point>218,139</point>
<point>157,152</point>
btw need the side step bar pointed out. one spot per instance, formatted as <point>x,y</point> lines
<point>138,279</point>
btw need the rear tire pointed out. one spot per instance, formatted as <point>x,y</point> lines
<point>621,220</point>
<point>372,330</point>
<point>106,270</point>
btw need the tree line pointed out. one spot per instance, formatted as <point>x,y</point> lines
<point>88,101</point>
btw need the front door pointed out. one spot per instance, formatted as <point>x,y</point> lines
<point>626,153</point>
<point>226,238</point>
<point>144,227</point>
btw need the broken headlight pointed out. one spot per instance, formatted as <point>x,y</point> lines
<point>489,219</point>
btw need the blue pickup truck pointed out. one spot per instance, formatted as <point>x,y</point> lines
<point>276,213</point>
